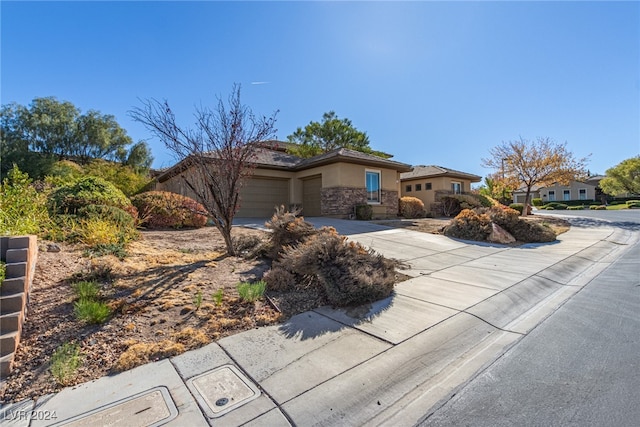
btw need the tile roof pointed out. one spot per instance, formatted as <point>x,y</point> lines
<point>268,158</point>
<point>422,171</point>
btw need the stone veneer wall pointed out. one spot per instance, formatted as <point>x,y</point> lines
<point>20,254</point>
<point>391,200</point>
<point>341,201</point>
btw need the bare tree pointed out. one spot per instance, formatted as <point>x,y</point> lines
<point>540,163</point>
<point>217,155</point>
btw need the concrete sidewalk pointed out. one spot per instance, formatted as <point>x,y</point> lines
<point>386,363</point>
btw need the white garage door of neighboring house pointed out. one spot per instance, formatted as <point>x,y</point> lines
<point>311,196</point>
<point>260,196</point>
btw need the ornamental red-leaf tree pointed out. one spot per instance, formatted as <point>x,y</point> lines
<point>216,156</point>
<point>540,163</point>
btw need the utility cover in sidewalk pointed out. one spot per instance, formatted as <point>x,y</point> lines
<point>150,408</point>
<point>222,390</point>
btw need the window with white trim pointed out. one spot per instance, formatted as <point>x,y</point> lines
<point>566,194</point>
<point>582,194</point>
<point>372,179</point>
<point>552,195</point>
<point>456,187</point>
<point>418,187</point>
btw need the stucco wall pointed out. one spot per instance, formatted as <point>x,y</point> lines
<point>346,177</point>
<point>441,183</point>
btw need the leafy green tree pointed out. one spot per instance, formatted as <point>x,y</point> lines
<point>541,163</point>
<point>623,178</point>
<point>22,208</point>
<point>48,130</point>
<point>317,138</point>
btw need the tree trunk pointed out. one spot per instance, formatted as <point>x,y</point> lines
<point>525,207</point>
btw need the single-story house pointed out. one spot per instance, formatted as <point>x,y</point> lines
<point>330,184</point>
<point>576,190</point>
<point>427,182</point>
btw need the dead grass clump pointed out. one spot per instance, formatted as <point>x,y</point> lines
<point>140,353</point>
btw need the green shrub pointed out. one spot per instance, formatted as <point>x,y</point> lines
<point>287,229</point>
<point>91,311</point>
<point>517,206</point>
<point>162,209</point>
<point>89,190</point>
<point>411,207</point>
<point>469,225</point>
<point>250,292</point>
<point>3,272</point>
<point>86,289</point>
<point>22,207</point>
<point>485,201</point>
<point>598,207</point>
<point>65,362</point>
<point>347,272</point>
<point>124,177</point>
<point>120,217</point>
<point>556,206</point>
<point>364,212</point>
<point>536,202</point>
<point>575,208</point>
<point>633,203</point>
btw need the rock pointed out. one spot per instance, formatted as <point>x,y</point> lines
<point>500,235</point>
<point>52,247</point>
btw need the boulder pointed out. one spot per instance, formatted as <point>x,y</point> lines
<point>500,235</point>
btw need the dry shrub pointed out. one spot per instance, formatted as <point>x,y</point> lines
<point>348,272</point>
<point>453,204</point>
<point>279,278</point>
<point>287,229</point>
<point>505,217</point>
<point>162,209</point>
<point>469,225</point>
<point>411,207</point>
<point>476,225</point>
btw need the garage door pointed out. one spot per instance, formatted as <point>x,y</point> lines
<point>311,196</point>
<point>260,196</point>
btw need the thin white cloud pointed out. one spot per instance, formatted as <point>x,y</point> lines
<point>260,83</point>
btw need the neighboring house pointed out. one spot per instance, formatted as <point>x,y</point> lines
<point>427,182</point>
<point>330,184</point>
<point>576,190</point>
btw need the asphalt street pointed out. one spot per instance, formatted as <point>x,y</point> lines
<point>579,367</point>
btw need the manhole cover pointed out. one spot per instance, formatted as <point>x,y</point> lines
<point>150,408</point>
<point>222,390</point>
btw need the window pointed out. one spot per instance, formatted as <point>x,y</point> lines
<point>373,186</point>
<point>418,187</point>
<point>427,186</point>
<point>583,194</point>
<point>407,188</point>
<point>456,188</point>
<point>552,195</point>
<point>566,194</point>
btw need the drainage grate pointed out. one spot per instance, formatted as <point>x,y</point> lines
<point>147,409</point>
<point>222,390</point>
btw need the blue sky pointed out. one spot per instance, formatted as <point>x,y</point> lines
<point>429,82</point>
